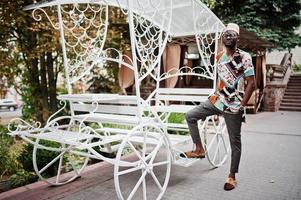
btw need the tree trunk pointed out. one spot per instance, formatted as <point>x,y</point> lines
<point>36,94</point>
<point>52,82</point>
<point>43,87</point>
<point>34,78</point>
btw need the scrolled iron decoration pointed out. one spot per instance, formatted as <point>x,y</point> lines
<point>63,103</point>
<point>196,71</point>
<point>21,126</point>
<point>38,17</point>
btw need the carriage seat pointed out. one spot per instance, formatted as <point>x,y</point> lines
<point>113,109</point>
<point>180,100</point>
<point>105,108</point>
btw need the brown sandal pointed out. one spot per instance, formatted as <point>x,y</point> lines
<point>192,154</point>
<point>230,184</point>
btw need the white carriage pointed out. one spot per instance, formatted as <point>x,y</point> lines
<point>135,128</point>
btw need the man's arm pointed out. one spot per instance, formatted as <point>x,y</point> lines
<point>249,90</point>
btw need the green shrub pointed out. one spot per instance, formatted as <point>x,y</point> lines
<point>43,158</point>
<point>297,67</point>
<point>9,151</point>
<point>22,177</point>
<point>176,118</point>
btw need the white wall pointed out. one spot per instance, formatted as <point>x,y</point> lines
<point>275,57</point>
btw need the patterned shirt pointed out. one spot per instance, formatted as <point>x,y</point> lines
<point>231,72</point>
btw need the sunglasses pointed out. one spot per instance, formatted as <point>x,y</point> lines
<point>230,35</point>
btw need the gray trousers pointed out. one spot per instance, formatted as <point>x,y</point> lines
<point>233,122</point>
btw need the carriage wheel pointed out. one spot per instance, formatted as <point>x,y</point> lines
<point>58,163</point>
<point>143,163</point>
<point>216,141</point>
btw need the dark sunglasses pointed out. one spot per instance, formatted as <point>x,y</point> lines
<point>230,35</point>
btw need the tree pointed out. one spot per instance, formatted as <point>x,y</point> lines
<point>29,52</point>
<point>273,20</point>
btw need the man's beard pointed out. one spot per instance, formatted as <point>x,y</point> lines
<point>231,46</point>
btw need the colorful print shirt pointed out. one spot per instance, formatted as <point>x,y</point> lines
<point>231,71</point>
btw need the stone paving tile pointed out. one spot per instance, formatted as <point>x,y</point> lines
<point>270,169</point>
<point>282,122</point>
<point>93,174</point>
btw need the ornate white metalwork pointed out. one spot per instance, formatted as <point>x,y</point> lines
<point>37,15</point>
<point>21,125</point>
<point>216,140</point>
<point>187,71</point>
<point>98,60</point>
<point>207,33</point>
<point>83,28</point>
<point>63,104</point>
<point>146,161</point>
<point>150,37</point>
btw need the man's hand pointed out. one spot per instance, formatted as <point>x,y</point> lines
<point>248,90</point>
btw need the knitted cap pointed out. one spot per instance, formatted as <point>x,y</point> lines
<point>232,27</point>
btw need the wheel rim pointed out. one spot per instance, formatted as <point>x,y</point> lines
<point>148,171</point>
<point>216,142</point>
<point>60,163</point>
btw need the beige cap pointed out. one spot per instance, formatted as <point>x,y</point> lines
<point>232,27</point>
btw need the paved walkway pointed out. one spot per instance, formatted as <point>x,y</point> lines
<point>6,116</point>
<point>270,169</point>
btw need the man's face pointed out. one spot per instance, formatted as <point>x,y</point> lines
<point>230,38</point>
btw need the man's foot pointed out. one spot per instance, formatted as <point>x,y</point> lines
<point>193,154</point>
<point>230,184</point>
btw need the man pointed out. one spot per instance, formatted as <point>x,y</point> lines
<point>234,68</point>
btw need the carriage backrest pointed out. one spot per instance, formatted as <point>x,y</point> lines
<point>104,108</point>
<point>83,29</point>
<point>103,104</point>
<point>188,95</point>
<point>207,31</point>
<point>184,95</point>
<point>83,26</point>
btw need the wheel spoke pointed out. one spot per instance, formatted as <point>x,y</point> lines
<point>156,181</point>
<point>59,169</point>
<point>53,161</point>
<point>215,127</point>
<point>159,163</point>
<point>211,142</point>
<point>224,129</point>
<point>137,153</point>
<point>129,170</point>
<point>147,152</point>
<point>217,150</point>
<point>73,166</point>
<point>137,185</point>
<point>203,125</point>
<point>156,150</point>
<point>144,146</point>
<point>224,143</point>
<point>144,189</point>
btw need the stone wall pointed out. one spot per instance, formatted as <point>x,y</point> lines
<point>273,94</point>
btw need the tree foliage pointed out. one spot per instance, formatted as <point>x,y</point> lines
<point>29,58</point>
<point>276,21</point>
